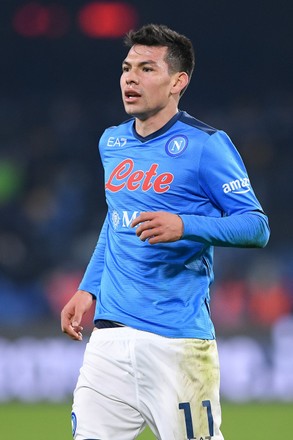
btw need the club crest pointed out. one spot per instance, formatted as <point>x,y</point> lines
<point>176,145</point>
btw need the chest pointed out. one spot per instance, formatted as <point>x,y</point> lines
<point>160,167</point>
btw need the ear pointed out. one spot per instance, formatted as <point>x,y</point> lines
<point>181,80</point>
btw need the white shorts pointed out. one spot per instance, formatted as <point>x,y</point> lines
<point>131,378</point>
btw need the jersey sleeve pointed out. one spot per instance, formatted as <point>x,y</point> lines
<point>92,276</point>
<point>224,180</point>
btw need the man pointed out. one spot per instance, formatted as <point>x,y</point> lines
<point>175,187</point>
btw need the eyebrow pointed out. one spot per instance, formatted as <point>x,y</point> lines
<point>142,63</point>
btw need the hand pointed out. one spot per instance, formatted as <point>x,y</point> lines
<point>73,312</point>
<point>158,227</point>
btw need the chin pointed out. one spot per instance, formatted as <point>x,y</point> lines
<point>129,110</point>
<point>132,112</point>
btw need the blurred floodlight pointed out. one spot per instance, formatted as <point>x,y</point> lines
<point>36,20</point>
<point>106,19</point>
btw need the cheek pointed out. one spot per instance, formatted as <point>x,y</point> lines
<point>159,90</point>
<point>161,93</point>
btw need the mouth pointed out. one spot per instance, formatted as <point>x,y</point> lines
<point>131,96</point>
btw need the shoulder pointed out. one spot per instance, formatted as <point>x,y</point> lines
<point>122,126</point>
<point>116,134</point>
<point>210,138</point>
<point>198,125</point>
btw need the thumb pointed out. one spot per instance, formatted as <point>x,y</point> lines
<point>76,320</point>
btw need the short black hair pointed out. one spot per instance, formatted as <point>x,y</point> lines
<point>180,54</point>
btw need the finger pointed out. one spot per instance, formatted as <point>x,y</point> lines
<point>65,321</point>
<point>75,336</point>
<point>150,234</point>
<point>76,327</point>
<point>76,319</point>
<point>142,229</point>
<point>144,232</point>
<point>148,225</point>
<point>76,333</point>
<point>155,240</point>
<point>73,333</point>
<point>72,329</point>
<point>143,217</point>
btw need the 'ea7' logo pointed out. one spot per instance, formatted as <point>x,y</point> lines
<point>116,142</point>
<point>176,145</point>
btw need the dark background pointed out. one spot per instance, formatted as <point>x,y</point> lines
<point>58,92</point>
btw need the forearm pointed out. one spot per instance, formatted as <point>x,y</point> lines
<point>92,276</point>
<point>249,230</point>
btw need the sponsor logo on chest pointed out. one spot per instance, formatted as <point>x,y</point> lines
<point>124,175</point>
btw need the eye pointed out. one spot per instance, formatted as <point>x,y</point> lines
<point>148,69</point>
<point>125,69</point>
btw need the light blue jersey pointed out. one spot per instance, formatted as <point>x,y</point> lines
<point>186,168</point>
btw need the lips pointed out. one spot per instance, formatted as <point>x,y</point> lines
<point>131,95</point>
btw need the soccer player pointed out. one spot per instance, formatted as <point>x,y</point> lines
<point>175,188</point>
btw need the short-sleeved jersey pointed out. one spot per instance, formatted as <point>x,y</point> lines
<point>186,168</point>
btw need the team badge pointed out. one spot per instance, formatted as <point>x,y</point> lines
<point>73,423</point>
<point>176,145</point>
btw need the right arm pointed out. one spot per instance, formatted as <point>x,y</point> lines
<point>81,302</point>
<point>93,274</point>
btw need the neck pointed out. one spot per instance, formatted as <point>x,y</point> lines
<point>145,127</point>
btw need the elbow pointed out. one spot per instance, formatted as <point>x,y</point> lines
<point>262,241</point>
<point>263,233</point>
<point>258,231</point>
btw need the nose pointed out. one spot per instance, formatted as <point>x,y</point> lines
<point>131,81</point>
<point>130,78</point>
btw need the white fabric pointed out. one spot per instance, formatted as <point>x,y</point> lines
<point>131,378</point>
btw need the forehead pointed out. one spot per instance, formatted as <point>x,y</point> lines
<point>140,53</point>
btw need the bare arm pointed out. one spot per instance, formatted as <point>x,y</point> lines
<point>72,313</point>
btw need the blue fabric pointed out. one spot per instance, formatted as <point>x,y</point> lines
<point>187,168</point>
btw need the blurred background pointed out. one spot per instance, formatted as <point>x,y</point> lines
<point>59,89</point>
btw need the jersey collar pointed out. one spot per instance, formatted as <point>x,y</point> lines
<point>157,133</point>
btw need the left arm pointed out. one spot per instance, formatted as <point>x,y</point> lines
<point>249,229</point>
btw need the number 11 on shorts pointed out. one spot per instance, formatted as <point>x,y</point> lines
<point>188,419</point>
